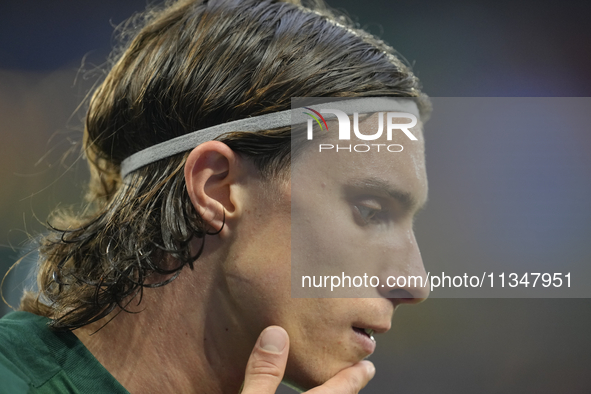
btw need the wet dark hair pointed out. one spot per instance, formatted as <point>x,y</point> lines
<point>189,65</point>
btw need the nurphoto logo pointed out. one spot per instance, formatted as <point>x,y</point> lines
<point>344,125</point>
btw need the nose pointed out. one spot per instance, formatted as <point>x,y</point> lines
<point>404,280</point>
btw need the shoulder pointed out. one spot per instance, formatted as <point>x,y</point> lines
<point>25,359</point>
<point>12,378</point>
<point>36,359</point>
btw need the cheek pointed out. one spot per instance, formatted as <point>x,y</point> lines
<point>261,251</point>
<point>328,242</point>
<point>262,245</point>
<point>257,271</point>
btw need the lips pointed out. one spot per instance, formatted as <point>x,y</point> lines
<point>363,331</point>
<point>363,337</point>
<point>368,332</point>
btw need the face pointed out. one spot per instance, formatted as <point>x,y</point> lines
<point>345,213</point>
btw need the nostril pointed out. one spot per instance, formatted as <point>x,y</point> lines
<point>403,296</point>
<point>400,294</point>
<point>413,290</point>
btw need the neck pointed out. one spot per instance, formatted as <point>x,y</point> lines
<point>185,339</point>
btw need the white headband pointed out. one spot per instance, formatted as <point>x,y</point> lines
<point>263,122</point>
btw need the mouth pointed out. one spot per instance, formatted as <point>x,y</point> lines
<point>367,332</point>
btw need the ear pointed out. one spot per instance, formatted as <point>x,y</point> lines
<point>212,171</point>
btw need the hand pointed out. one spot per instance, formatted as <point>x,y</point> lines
<point>267,361</point>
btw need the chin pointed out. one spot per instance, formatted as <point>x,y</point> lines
<point>303,383</point>
<point>306,375</point>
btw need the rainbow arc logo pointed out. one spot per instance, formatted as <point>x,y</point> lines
<point>316,119</point>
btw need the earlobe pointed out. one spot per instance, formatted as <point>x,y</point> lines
<point>211,170</point>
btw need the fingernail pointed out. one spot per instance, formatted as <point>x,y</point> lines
<point>273,340</point>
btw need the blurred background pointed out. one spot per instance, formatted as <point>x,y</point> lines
<point>520,197</point>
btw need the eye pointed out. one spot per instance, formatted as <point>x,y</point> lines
<point>370,212</point>
<point>366,212</point>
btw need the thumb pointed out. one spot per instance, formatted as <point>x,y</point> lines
<point>267,361</point>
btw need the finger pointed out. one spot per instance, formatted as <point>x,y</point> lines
<point>267,361</point>
<point>348,381</point>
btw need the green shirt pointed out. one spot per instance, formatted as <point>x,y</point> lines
<point>35,359</point>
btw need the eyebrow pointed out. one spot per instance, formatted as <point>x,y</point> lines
<point>409,201</point>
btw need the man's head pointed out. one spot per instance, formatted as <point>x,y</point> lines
<point>345,211</point>
<point>193,65</point>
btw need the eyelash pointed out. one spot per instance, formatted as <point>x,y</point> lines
<point>370,215</point>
